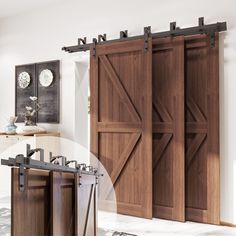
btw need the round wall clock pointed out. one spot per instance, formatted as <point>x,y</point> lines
<point>46,78</point>
<point>24,80</point>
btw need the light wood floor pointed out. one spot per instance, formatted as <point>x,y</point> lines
<point>158,227</point>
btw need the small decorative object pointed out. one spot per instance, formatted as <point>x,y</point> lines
<point>30,112</point>
<point>11,127</point>
<point>24,80</point>
<point>46,78</point>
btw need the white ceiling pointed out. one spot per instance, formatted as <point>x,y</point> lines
<point>14,7</point>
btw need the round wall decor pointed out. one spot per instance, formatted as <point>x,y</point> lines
<point>46,78</point>
<point>24,80</point>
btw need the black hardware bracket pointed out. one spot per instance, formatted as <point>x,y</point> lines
<point>30,152</point>
<point>211,33</point>
<point>82,40</point>
<point>124,34</point>
<point>172,26</point>
<point>102,38</point>
<point>174,31</point>
<point>201,21</point>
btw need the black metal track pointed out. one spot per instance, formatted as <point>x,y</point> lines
<point>210,29</point>
<point>28,163</point>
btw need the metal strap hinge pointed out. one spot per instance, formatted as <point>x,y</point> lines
<point>94,46</point>
<point>212,39</point>
<point>147,32</point>
<point>21,178</point>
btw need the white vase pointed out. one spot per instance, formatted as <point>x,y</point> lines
<point>11,127</point>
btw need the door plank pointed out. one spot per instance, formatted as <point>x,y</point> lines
<point>196,127</point>
<point>119,127</point>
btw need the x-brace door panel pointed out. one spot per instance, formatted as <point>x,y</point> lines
<point>202,129</point>
<point>121,122</point>
<point>168,128</point>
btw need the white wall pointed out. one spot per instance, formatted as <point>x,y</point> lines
<point>39,35</point>
<point>81,134</point>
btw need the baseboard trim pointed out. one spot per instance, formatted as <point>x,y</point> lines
<point>223,223</point>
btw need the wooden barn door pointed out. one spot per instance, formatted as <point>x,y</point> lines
<point>31,208</point>
<point>62,204</point>
<point>121,121</point>
<point>86,209</point>
<point>202,129</point>
<point>168,128</point>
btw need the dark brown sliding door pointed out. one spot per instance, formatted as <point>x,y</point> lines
<point>168,128</point>
<point>31,208</point>
<point>62,204</point>
<point>202,129</point>
<point>121,121</point>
